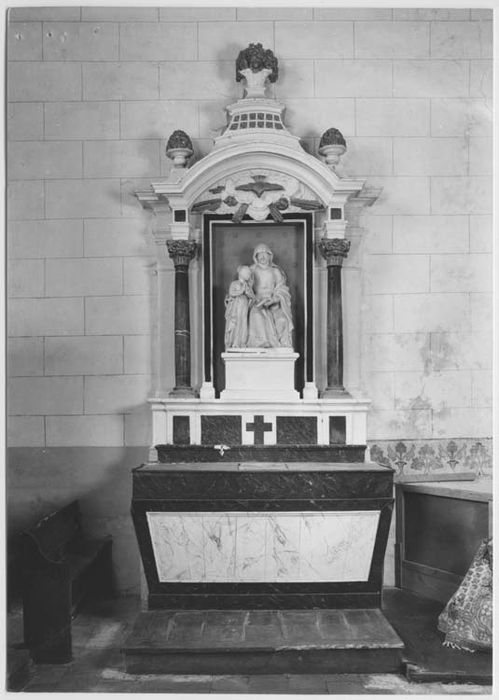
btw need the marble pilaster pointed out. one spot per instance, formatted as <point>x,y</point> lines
<point>334,250</point>
<point>182,252</point>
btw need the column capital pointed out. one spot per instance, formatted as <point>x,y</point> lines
<point>181,252</point>
<point>334,250</point>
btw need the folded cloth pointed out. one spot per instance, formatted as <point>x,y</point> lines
<point>467,618</point>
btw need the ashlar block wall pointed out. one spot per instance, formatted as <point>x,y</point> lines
<point>94,93</point>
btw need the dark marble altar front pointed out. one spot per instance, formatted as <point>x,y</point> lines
<point>290,488</point>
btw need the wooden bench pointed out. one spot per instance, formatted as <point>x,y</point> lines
<point>61,568</point>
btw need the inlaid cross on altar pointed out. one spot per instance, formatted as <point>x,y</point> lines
<point>259,427</point>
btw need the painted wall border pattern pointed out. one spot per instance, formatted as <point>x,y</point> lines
<point>433,456</point>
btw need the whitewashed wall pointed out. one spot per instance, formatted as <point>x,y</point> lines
<point>93,95</point>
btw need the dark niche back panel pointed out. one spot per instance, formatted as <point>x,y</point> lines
<point>337,430</point>
<point>233,245</point>
<point>218,430</point>
<point>296,430</point>
<point>181,430</point>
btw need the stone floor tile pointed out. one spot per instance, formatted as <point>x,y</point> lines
<point>99,667</point>
<point>309,684</point>
<point>81,635</point>
<point>268,684</point>
<point>345,688</point>
<point>110,634</point>
<point>77,682</point>
<point>156,684</point>
<point>393,684</point>
<point>152,683</point>
<point>34,687</point>
<point>98,658</point>
<point>230,684</point>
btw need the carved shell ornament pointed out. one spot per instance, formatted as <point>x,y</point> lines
<point>257,196</point>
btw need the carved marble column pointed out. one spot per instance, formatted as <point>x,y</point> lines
<point>334,250</point>
<point>182,252</point>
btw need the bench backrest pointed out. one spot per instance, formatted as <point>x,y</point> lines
<point>55,531</point>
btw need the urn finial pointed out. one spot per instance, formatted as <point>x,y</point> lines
<point>332,146</point>
<point>256,65</point>
<point>179,148</point>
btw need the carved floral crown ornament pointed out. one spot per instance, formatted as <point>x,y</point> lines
<point>256,65</point>
<point>257,169</point>
<point>258,195</point>
<point>255,113</point>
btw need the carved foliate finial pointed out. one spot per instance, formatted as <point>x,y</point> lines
<point>332,137</point>
<point>332,146</point>
<point>179,148</point>
<point>256,65</point>
<point>256,58</point>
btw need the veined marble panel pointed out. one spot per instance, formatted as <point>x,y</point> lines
<point>263,547</point>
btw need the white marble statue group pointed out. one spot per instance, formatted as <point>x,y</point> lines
<point>258,305</point>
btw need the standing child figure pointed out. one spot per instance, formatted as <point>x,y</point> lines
<point>238,301</point>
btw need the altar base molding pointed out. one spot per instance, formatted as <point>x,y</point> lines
<point>287,578</point>
<point>247,642</point>
<point>339,420</point>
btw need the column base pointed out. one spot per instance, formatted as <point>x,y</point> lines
<point>310,391</point>
<point>183,392</point>
<point>207,391</point>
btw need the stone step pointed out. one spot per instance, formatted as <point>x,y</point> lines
<point>262,641</point>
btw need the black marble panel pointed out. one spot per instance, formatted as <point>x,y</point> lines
<point>221,430</point>
<point>179,215</point>
<point>296,430</point>
<point>181,430</point>
<point>385,518</point>
<point>259,453</point>
<point>337,430</point>
<point>269,588</point>
<point>248,504</point>
<point>269,485</point>
<point>231,601</point>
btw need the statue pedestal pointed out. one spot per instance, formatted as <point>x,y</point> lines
<point>260,373</point>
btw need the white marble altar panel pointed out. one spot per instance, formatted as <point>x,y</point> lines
<point>324,542</point>
<point>181,546</point>
<point>282,546</point>
<point>219,541</point>
<point>263,546</point>
<point>251,554</point>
